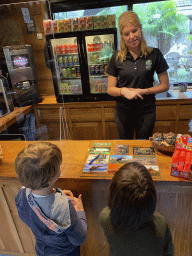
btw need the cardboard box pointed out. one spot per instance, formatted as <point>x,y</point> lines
<point>82,23</point>
<point>89,23</point>
<point>111,20</point>
<point>75,24</point>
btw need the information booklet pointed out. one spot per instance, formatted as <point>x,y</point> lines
<point>104,159</point>
<point>146,156</point>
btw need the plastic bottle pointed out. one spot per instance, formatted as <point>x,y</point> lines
<point>182,158</point>
<point>174,164</point>
<point>175,158</point>
<point>180,168</point>
<point>188,157</point>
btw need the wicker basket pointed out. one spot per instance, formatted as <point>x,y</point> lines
<point>162,145</point>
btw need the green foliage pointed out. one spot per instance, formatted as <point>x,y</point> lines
<point>162,17</point>
<point>190,37</point>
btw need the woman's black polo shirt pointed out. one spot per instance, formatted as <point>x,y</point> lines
<point>137,73</point>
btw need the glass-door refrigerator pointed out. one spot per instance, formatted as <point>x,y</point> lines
<point>78,64</point>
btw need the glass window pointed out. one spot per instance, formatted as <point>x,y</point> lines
<point>168,26</point>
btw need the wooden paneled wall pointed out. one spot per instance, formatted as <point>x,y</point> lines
<point>15,33</point>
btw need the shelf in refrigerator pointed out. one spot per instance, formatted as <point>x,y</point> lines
<point>94,51</point>
<point>69,66</point>
<point>68,78</point>
<point>98,76</point>
<point>71,53</point>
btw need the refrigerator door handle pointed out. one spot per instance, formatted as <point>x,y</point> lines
<point>47,53</point>
<point>83,47</point>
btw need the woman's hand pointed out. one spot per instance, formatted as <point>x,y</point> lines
<point>77,203</point>
<point>131,93</point>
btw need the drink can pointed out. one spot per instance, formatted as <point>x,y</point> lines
<point>67,49</point>
<point>78,73</point>
<point>101,69</point>
<point>57,49</point>
<point>75,60</point>
<point>60,49</point>
<point>60,61</point>
<point>68,72</point>
<point>63,48</point>
<point>75,48</point>
<point>73,72</point>
<point>64,72</point>
<point>72,48</point>
<point>97,70</point>
<point>70,60</point>
<point>92,70</point>
<point>65,61</point>
<point>105,68</point>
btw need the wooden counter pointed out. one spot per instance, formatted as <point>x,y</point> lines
<point>95,120</point>
<point>174,199</point>
<point>13,117</point>
<point>75,154</point>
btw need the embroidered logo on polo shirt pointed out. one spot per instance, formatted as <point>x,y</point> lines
<point>148,64</point>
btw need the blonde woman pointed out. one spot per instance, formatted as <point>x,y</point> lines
<point>130,79</point>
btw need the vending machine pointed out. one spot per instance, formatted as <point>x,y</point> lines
<point>21,68</point>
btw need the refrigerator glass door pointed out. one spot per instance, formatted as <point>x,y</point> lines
<point>99,51</point>
<point>67,65</point>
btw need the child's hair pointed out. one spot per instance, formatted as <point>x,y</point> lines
<point>130,17</point>
<point>37,164</point>
<point>132,197</point>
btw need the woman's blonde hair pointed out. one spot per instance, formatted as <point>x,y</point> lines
<point>124,19</point>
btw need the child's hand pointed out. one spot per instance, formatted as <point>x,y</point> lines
<point>77,203</point>
<point>68,193</point>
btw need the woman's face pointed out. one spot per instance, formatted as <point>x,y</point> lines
<point>131,36</point>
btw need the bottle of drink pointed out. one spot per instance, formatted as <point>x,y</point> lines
<point>182,158</point>
<point>92,70</point>
<point>97,72</point>
<point>73,72</point>
<point>65,61</point>
<point>70,60</point>
<point>174,164</point>
<point>78,73</point>
<point>68,72</point>
<point>60,61</point>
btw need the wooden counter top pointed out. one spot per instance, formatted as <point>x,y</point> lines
<point>75,154</point>
<point>182,97</point>
<point>13,117</point>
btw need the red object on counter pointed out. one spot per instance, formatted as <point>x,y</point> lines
<point>182,157</point>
